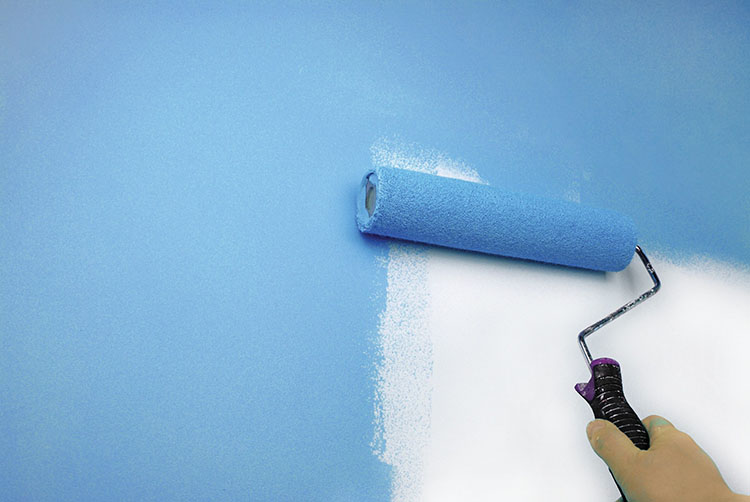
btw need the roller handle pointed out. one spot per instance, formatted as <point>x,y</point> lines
<point>605,395</point>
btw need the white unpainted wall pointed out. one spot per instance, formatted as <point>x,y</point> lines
<point>479,357</point>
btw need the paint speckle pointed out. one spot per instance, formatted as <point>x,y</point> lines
<point>402,412</point>
<point>404,372</point>
<point>389,153</point>
<point>573,193</point>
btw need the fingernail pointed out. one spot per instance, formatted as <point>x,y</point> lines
<point>593,427</point>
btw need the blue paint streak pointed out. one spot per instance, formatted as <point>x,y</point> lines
<point>187,309</point>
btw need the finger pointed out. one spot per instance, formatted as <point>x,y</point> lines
<point>612,446</point>
<point>658,428</point>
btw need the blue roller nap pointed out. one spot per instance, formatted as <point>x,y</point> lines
<point>459,214</point>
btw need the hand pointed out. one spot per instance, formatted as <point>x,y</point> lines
<point>674,468</point>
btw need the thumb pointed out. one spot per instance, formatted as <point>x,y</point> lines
<point>612,446</point>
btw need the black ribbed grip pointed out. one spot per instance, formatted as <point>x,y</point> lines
<point>607,400</point>
<point>610,404</point>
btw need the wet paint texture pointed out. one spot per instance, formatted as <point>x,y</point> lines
<point>454,213</point>
<point>187,308</point>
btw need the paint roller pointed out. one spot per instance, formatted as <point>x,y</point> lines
<point>420,207</point>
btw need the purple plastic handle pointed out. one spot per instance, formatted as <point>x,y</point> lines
<point>586,389</point>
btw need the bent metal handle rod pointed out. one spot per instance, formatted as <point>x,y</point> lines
<point>625,308</point>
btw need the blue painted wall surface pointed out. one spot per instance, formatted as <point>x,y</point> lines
<point>187,310</point>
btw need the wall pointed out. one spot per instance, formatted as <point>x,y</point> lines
<point>188,312</point>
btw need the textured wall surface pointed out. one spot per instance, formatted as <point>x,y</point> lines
<point>187,310</point>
